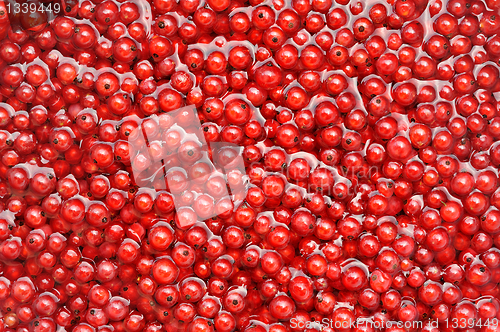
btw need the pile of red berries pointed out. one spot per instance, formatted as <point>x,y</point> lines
<point>252,166</point>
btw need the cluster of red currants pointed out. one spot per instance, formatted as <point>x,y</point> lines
<point>250,166</point>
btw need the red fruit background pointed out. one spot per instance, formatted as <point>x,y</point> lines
<point>249,166</point>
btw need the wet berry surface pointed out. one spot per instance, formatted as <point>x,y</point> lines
<point>253,166</point>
